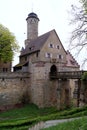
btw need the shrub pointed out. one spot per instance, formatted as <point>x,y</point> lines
<point>84,76</point>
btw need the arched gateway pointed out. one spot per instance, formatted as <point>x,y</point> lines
<point>53,69</point>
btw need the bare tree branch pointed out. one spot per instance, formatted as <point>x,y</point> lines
<point>78,40</point>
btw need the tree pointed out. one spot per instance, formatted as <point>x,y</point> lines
<point>79,35</point>
<point>84,2</point>
<point>8,44</point>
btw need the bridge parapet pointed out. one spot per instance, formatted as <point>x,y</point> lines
<point>67,75</point>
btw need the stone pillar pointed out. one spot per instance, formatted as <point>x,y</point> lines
<point>78,92</point>
<point>59,94</point>
<point>83,93</point>
<point>63,92</point>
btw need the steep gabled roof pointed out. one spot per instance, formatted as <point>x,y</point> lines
<point>35,45</point>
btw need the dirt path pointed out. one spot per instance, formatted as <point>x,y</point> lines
<point>47,124</point>
<point>55,122</point>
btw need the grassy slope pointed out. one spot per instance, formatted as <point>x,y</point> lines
<point>80,124</point>
<point>21,119</point>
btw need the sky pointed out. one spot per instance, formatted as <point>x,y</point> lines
<point>53,14</point>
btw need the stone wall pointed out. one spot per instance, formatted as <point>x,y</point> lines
<point>14,89</point>
<point>34,87</point>
<point>5,66</point>
<point>46,92</point>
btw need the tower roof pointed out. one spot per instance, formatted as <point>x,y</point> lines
<point>32,15</point>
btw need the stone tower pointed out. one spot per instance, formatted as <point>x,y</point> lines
<point>32,26</point>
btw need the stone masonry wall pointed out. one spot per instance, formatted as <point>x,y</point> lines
<point>14,89</point>
<point>45,92</point>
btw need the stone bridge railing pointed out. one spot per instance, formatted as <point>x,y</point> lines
<point>66,75</point>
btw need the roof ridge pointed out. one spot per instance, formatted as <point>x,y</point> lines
<point>46,33</point>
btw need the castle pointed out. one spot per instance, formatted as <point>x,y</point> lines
<point>30,81</point>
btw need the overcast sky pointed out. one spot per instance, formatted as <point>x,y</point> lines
<point>53,14</point>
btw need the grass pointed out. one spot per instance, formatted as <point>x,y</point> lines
<point>25,117</point>
<point>80,124</point>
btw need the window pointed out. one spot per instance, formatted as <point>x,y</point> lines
<point>32,21</point>
<point>31,48</point>
<point>60,56</point>
<point>5,69</point>
<point>48,55</point>
<point>58,47</point>
<point>51,45</point>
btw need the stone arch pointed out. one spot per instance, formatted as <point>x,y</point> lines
<point>53,69</point>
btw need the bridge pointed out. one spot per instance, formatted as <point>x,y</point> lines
<point>66,75</point>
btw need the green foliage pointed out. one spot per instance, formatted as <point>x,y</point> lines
<point>84,86</point>
<point>25,117</point>
<point>84,3</point>
<point>8,44</point>
<point>84,76</point>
